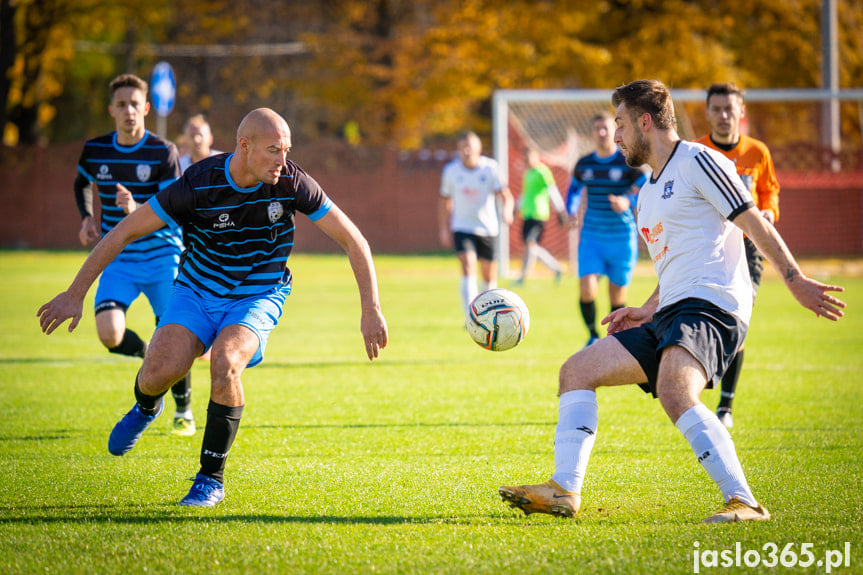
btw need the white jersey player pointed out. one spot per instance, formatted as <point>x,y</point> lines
<point>691,214</point>
<point>468,216</point>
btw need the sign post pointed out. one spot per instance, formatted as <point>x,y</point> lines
<point>163,91</point>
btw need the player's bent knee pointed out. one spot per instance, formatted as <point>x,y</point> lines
<point>157,376</point>
<point>111,340</point>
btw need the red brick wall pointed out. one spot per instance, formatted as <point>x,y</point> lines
<point>392,197</point>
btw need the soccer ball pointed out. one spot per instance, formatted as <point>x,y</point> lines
<point>498,319</point>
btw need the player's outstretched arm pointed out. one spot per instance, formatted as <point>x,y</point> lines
<point>69,304</point>
<point>811,294</point>
<point>629,317</point>
<point>373,325</point>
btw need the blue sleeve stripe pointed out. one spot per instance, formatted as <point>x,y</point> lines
<point>162,214</point>
<point>165,183</point>
<point>85,173</point>
<point>322,211</point>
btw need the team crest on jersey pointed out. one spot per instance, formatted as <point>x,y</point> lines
<point>615,173</point>
<point>666,189</point>
<point>275,211</point>
<point>143,172</point>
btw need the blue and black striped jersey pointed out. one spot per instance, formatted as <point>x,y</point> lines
<point>601,177</point>
<point>238,240</point>
<point>144,169</point>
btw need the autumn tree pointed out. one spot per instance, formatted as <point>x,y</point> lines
<point>402,71</point>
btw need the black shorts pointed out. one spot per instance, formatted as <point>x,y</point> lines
<point>483,246</point>
<point>756,264</point>
<point>709,333</point>
<point>532,230</point>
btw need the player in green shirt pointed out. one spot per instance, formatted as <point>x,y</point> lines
<point>539,193</point>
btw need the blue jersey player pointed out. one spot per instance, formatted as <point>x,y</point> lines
<point>602,198</point>
<point>237,212</point>
<point>128,166</point>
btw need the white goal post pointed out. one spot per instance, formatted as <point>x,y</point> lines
<point>558,123</point>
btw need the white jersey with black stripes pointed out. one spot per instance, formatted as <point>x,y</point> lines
<point>684,216</point>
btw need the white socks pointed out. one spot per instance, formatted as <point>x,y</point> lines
<point>576,433</point>
<point>468,292</point>
<point>714,449</point>
<point>574,437</point>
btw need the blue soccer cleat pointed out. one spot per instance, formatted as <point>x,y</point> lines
<point>128,430</point>
<point>205,492</point>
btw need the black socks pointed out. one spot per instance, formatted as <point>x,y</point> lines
<point>182,392</point>
<point>131,345</point>
<point>588,312</point>
<point>222,424</point>
<point>149,404</point>
<point>729,381</point>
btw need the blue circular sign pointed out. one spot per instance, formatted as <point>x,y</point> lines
<point>163,88</point>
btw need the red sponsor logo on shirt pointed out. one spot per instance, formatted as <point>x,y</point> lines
<point>651,236</point>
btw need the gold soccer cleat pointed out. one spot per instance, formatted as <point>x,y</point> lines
<point>735,510</point>
<point>548,497</point>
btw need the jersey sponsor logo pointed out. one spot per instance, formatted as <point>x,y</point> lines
<point>587,174</point>
<point>224,222</point>
<point>275,211</point>
<point>104,173</point>
<point>660,255</point>
<point>143,172</point>
<point>666,189</point>
<point>651,236</point>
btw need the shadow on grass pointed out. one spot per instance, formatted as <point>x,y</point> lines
<point>383,361</point>
<point>399,425</point>
<point>56,436</point>
<point>66,361</point>
<point>131,515</point>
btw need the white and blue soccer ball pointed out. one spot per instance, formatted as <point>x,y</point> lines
<point>498,319</point>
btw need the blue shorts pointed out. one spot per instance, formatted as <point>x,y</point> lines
<point>614,258</point>
<point>123,282</point>
<point>207,316</point>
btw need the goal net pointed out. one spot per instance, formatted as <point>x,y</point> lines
<point>814,137</point>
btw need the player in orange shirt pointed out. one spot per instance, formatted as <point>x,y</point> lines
<point>725,110</point>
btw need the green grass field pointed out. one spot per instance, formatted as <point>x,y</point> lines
<point>347,466</point>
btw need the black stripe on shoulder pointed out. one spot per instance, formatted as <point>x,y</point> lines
<point>720,178</point>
